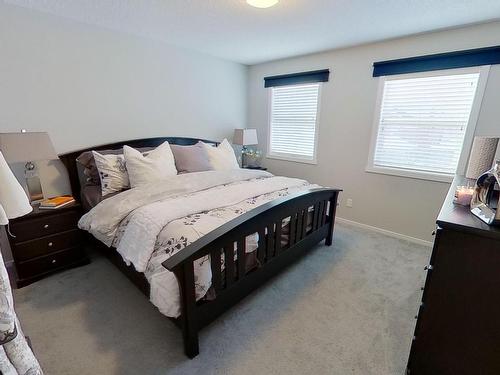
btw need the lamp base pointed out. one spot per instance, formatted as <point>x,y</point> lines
<point>243,152</point>
<point>34,188</point>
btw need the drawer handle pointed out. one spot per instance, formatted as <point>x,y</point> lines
<point>51,244</point>
<point>46,226</point>
<point>53,261</point>
<point>428,268</point>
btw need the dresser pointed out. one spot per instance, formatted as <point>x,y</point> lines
<point>457,330</point>
<point>46,241</point>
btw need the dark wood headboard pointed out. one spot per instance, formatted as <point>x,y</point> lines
<point>69,159</point>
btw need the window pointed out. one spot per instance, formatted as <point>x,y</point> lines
<point>293,129</point>
<point>423,122</point>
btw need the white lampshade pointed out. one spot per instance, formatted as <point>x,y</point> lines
<point>245,137</point>
<point>23,147</point>
<point>481,156</point>
<point>4,220</point>
<point>13,199</point>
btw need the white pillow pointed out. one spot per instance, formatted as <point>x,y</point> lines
<point>222,157</point>
<point>112,173</point>
<point>157,165</point>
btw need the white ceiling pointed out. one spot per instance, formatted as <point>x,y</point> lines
<point>233,30</point>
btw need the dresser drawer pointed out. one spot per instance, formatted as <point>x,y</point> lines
<point>46,245</point>
<point>26,230</point>
<point>50,262</point>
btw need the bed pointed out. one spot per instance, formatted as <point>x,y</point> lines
<point>200,242</point>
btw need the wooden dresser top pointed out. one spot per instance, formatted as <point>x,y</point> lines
<point>457,217</point>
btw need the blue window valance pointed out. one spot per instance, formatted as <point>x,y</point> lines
<point>448,60</point>
<point>297,78</point>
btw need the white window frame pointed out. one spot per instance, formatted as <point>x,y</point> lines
<point>469,132</point>
<point>290,157</point>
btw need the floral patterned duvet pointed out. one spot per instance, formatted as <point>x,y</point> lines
<point>180,233</point>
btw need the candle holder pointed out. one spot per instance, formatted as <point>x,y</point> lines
<point>463,195</point>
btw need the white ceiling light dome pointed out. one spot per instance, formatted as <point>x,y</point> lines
<point>262,3</point>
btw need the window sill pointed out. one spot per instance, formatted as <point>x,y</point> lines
<point>428,176</point>
<point>292,159</point>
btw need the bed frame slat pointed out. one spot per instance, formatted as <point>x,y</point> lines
<point>242,254</point>
<point>293,229</point>
<point>215,263</point>
<point>261,250</point>
<point>229,263</point>
<point>277,241</point>
<point>323,212</point>
<point>320,214</point>
<point>298,230</point>
<point>305,218</point>
<point>270,242</point>
<point>315,217</point>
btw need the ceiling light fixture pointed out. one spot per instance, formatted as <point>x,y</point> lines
<point>262,3</point>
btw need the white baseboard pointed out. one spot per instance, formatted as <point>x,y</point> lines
<point>384,231</point>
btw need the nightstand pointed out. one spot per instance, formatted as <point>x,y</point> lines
<point>256,168</point>
<point>46,241</point>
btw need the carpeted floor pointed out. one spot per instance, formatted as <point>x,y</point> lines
<point>347,309</point>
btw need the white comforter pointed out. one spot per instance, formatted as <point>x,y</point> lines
<point>137,221</point>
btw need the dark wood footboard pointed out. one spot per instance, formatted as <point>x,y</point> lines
<point>309,218</point>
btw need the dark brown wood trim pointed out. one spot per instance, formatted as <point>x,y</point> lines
<point>69,158</point>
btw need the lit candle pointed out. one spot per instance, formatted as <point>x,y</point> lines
<point>463,195</point>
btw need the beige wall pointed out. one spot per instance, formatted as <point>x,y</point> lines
<point>402,205</point>
<point>87,85</point>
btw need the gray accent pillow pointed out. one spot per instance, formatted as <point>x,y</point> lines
<point>90,172</point>
<point>191,158</point>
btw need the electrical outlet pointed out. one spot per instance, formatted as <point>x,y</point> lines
<point>349,202</point>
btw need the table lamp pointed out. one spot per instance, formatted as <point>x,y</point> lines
<point>481,156</point>
<point>245,137</point>
<point>28,148</point>
<point>13,200</point>
<point>480,161</point>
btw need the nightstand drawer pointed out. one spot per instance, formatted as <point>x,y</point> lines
<point>26,230</point>
<point>46,245</point>
<point>50,262</point>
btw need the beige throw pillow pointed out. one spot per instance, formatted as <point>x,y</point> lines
<point>222,157</point>
<point>157,165</point>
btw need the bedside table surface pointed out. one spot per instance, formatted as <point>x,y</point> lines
<point>38,212</point>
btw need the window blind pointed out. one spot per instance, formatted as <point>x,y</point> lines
<point>423,122</point>
<point>293,121</point>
